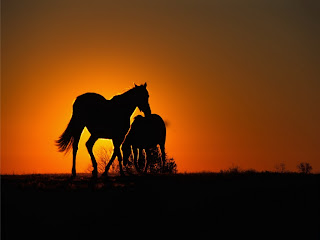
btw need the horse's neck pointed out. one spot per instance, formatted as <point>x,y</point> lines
<point>126,103</point>
<point>131,110</point>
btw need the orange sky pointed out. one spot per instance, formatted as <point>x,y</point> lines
<point>237,81</point>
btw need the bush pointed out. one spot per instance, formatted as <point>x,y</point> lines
<point>234,169</point>
<point>155,162</point>
<point>281,168</point>
<point>304,167</point>
<point>103,157</point>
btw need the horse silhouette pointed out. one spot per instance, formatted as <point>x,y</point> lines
<point>103,118</point>
<point>145,133</point>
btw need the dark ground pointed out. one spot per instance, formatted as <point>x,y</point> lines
<point>206,205</point>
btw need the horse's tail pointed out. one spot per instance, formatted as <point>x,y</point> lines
<point>65,141</point>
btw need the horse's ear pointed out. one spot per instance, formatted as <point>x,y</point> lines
<point>145,85</point>
<point>135,85</point>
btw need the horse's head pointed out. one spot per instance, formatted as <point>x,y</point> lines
<point>142,98</point>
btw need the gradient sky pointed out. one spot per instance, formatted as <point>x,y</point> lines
<point>237,81</point>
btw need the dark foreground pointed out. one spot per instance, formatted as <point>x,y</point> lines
<point>207,205</point>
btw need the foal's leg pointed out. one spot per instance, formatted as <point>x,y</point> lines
<point>148,154</point>
<point>163,156</point>
<point>89,145</point>
<point>135,158</point>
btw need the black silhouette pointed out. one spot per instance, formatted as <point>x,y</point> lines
<point>254,205</point>
<point>104,119</point>
<point>145,133</point>
<point>304,167</point>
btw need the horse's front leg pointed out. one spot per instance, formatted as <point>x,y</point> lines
<point>89,145</point>
<point>109,164</point>
<point>119,155</point>
<point>116,153</point>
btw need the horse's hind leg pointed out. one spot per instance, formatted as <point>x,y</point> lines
<point>74,154</point>
<point>89,145</point>
<point>75,143</point>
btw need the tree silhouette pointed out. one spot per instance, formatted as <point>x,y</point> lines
<point>281,168</point>
<point>304,167</point>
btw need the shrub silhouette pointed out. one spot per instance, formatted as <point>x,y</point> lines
<point>104,155</point>
<point>234,169</point>
<point>281,168</point>
<point>304,167</point>
<point>155,162</point>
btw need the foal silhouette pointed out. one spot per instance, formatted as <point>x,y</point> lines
<point>104,119</point>
<point>145,133</point>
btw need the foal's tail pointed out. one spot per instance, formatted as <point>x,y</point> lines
<point>65,141</point>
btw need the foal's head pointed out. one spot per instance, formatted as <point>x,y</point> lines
<point>142,98</point>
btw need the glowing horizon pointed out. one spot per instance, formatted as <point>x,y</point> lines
<point>237,83</point>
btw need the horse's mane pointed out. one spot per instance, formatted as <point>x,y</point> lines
<point>122,96</point>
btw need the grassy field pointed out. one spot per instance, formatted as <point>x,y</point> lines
<point>215,205</point>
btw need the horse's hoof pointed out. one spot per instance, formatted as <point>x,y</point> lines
<point>73,173</point>
<point>94,174</point>
<point>94,177</point>
<point>105,174</point>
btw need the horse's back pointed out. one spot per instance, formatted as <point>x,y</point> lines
<point>90,99</point>
<point>148,131</point>
<point>160,126</point>
<point>97,114</point>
